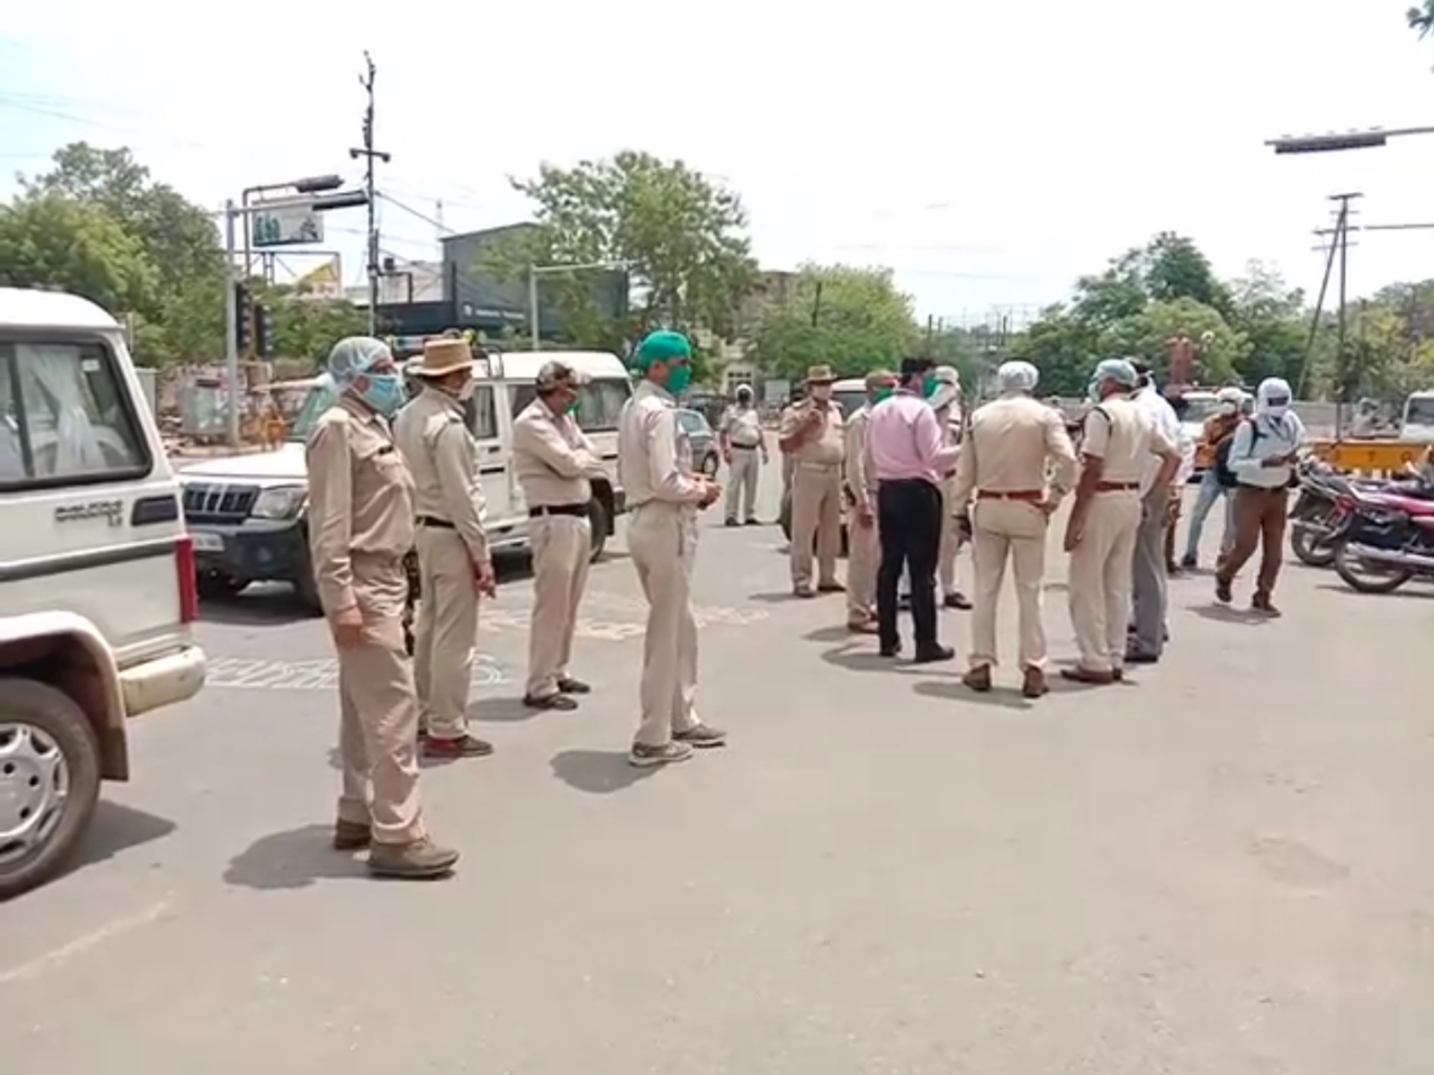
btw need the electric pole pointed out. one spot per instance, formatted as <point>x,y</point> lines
<point>370,155</point>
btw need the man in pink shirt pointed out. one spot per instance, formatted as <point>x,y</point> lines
<point>908,456</point>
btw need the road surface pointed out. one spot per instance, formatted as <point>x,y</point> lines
<point>1221,867</point>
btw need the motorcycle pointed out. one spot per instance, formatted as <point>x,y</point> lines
<point>1387,539</point>
<point>1322,509</point>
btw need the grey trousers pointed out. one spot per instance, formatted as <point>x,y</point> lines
<point>1148,586</point>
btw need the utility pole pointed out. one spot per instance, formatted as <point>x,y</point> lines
<point>370,155</point>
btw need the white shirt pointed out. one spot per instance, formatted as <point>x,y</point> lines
<point>1248,451</point>
<point>1157,408</point>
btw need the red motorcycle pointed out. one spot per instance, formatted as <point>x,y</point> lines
<point>1387,539</point>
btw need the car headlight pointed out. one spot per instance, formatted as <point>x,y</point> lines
<point>283,502</point>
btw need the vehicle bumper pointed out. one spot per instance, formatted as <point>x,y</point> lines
<point>175,677</point>
<point>254,551</point>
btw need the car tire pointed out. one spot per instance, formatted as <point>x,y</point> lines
<point>306,588</point>
<point>600,526</point>
<point>710,465</point>
<point>219,587</point>
<point>56,731</point>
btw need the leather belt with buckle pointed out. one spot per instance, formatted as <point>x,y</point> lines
<point>1011,494</point>
<point>579,510</point>
<point>1116,487</point>
<point>434,521</point>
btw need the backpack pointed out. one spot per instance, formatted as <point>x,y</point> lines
<point>1224,476</point>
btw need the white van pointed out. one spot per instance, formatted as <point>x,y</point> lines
<point>97,588</point>
<point>247,512</point>
<point>1418,423</point>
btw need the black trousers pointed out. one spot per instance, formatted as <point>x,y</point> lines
<point>909,524</point>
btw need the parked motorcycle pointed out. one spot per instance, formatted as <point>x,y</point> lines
<point>1387,539</point>
<point>1316,521</point>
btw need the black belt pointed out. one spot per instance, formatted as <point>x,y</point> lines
<point>745,447</point>
<point>580,510</point>
<point>430,520</point>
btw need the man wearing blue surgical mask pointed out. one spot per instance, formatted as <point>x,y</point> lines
<point>1262,458</point>
<point>360,529</point>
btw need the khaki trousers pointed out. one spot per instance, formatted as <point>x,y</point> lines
<point>950,543</point>
<point>742,484</point>
<point>663,541</point>
<point>816,519</point>
<point>378,715</point>
<point>1100,579</point>
<point>1014,529</point>
<point>864,556</point>
<point>561,544</point>
<point>447,631</point>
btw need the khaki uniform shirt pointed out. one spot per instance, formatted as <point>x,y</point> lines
<point>552,460</point>
<point>1120,434</point>
<point>742,426</point>
<point>443,457</point>
<point>654,459</point>
<point>856,466</point>
<point>360,498</point>
<point>1014,445</point>
<point>823,445</point>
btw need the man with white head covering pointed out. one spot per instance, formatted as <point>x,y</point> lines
<point>360,528</point>
<point>946,402</point>
<point>1149,569</point>
<point>1013,448</point>
<point>1218,428</point>
<point>1262,458</point>
<point>744,450</point>
<point>1117,438</point>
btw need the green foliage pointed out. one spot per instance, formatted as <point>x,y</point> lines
<point>1421,19</point>
<point>860,322</point>
<point>680,236</point>
<point>308,328</point>
<point>49,241</point>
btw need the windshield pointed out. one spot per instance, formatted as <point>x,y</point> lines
<point>1419,411</point>
<point>1200,408</point>
<point>692,422</point>
<point>849,400</point>
<point>316,403</point>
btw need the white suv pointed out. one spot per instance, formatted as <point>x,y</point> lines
<point>97,582</point>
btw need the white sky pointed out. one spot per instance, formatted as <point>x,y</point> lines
<point>988,156</point>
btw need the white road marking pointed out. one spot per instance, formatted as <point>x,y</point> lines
<point>319,674</point>
<point>54,959</point>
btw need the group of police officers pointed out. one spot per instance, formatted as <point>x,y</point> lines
<point>388,475</point>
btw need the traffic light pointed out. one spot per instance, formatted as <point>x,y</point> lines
<point>243,317</point>
<point>263,331</point>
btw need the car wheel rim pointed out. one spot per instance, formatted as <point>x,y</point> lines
<point>34,786</point>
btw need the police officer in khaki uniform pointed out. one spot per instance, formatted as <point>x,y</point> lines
<point>1011,447</point>
<point>554,464</point>
<point>946,402</point>
<point>812,432</point>
<point>1117,438</point>
<point>859,491</point>
<point>655,468</point>
<point>454,562</point>
<point>360,527</point>
<point>744,450</point>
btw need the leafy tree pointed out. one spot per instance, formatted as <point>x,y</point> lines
<point>853,319</point>
<point>1421,18</point>
<point>1145,335</point>
<point>308,327</point>
<point>1065,347</point>
<point>679,235</point>
<point>178,237</point>
<point>1272,318</point>
<point>50,241</point>
<point>1168,268</point>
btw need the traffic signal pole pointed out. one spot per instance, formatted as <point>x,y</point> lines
<point>231,325</point>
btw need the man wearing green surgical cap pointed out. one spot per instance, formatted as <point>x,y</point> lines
<point>654,461</point>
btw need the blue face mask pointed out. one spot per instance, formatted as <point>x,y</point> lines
<point>385,393</point>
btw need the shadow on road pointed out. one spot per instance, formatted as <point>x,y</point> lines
<point>597,772</point>
<point>259,605</point>
<point>117,828</point>
<point>779,598</point>
<point>294,859</point>
<point>1225,614</point>
<point>502,711</point>
<point>1422,593</point>
<point>955,691</point>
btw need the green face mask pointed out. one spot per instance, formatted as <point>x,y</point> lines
<point>928,386</point>
<point>571,408</point>
<point>883,394</point>
<point>678,378</point>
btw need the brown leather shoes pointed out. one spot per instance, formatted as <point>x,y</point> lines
<point>978,679</point>
<point>1088,676</point>
<point>1034,685</point>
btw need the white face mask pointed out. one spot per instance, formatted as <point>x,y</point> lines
<point>1229,407</point>
<point>466,392</point>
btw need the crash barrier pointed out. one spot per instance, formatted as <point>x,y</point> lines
<point>1375,458</point>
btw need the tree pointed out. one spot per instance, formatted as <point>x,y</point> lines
<point>49,241</point>
<point>178,237</point>
<point>1421,18</point>
<point>308,327</point>
<point>1271,317</point>
<point>679,235</point>
<point>1144,335</point>
<point>853,319</point>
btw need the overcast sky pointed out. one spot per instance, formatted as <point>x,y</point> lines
<point>989,157</point>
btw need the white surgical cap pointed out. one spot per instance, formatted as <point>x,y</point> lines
<point>1017,376</point>
<point>354,356</point>
<point>1119,370</point>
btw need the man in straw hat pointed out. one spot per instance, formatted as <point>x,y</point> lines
<point>454,562</point>
<point>554,463</point>
<point>1012,444</point>
<point>664,495</point>
<point>360,527</point>
<point>812,434</point>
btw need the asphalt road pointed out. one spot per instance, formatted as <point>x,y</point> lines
<point>1220,867</point>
